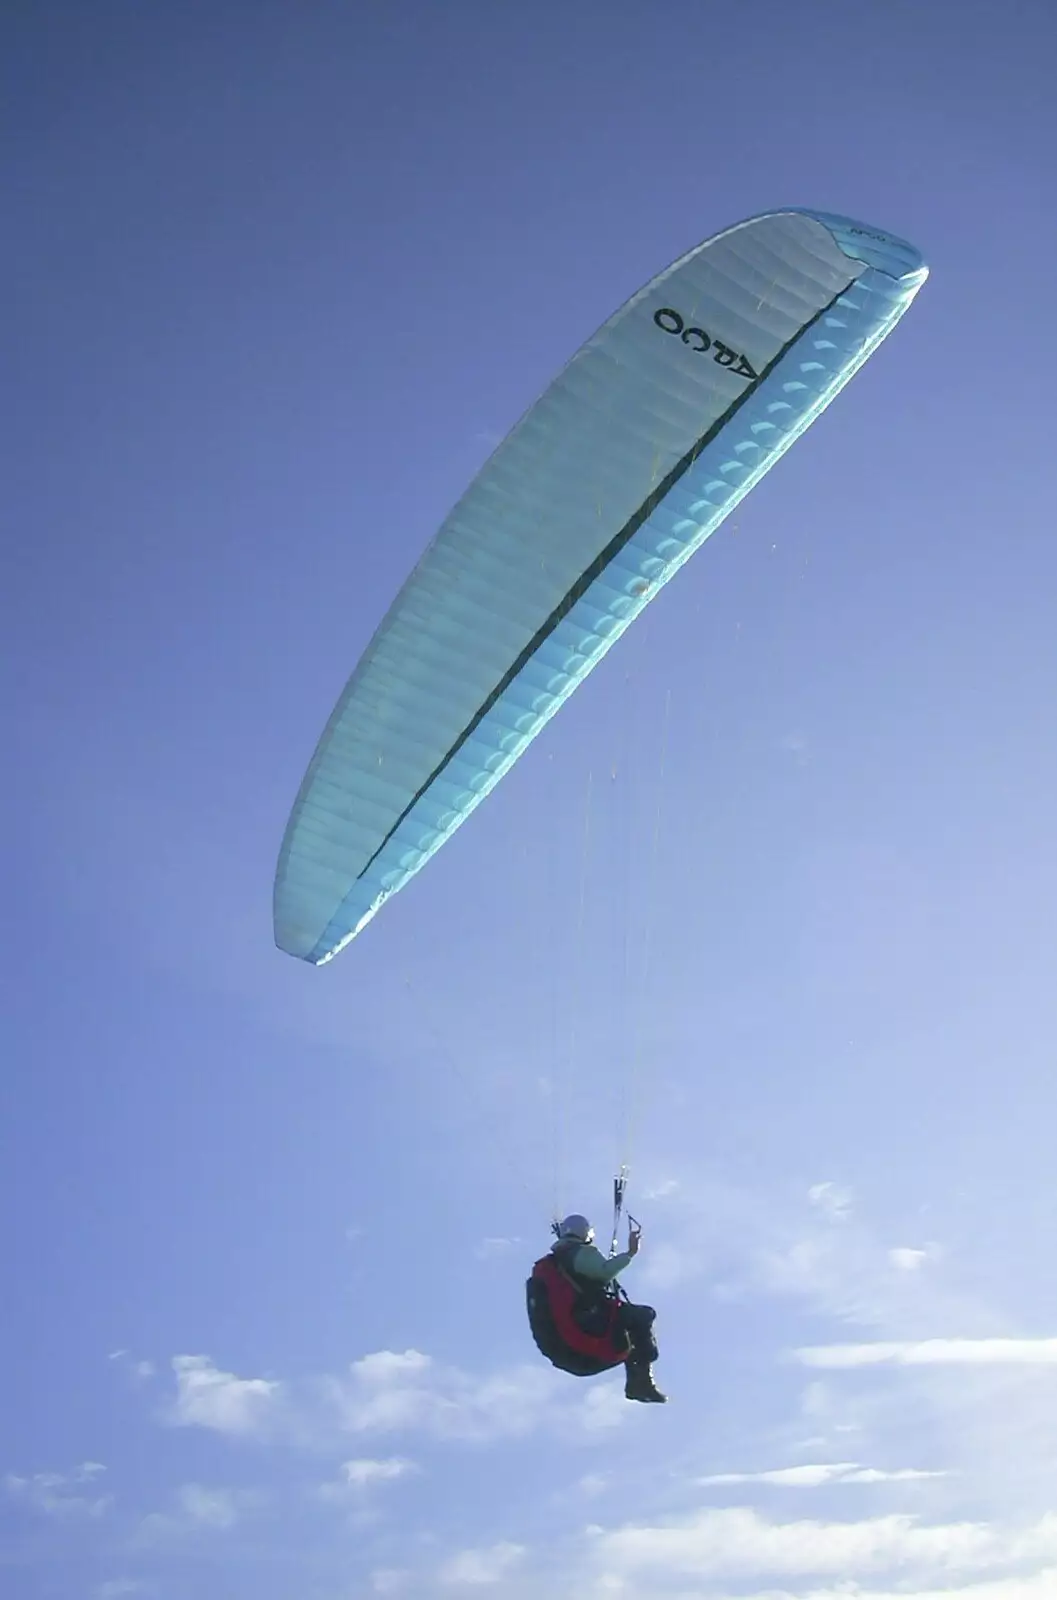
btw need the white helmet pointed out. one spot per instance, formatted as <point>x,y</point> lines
<point>576,1227</point>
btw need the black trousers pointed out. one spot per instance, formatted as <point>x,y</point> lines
<point>637,1322</point>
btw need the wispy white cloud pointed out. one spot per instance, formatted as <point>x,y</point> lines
<point>406,1391</point>
<point>593,1483</point>
<point>906,1259</point>
<point>390,1580</point>
<point>488,1248</point>
<point>209,1508</point>
<point>61,1494</point>
<point>665,1266</point>
<point>196,1509</point>
<point>365,1472</point>
<point>137,1368</point>
<point>832,1199</point>
<point>973,1402</point>
<point>392,1392</point>
<point>809,1267</point>
<point>209,1398</point>
<point>932,1352</point>
<point>478,1568</point>
<point>823,1255</point>
<point>740,1543</point>
<point>816,1476</point>
<point>602,1407</point>
<point>661,1190</point>
<point>1036,1586</point>
<point>1041,1585</point>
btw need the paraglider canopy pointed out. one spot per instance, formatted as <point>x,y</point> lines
<point>636,453</point>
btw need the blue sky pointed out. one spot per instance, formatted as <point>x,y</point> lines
<point>280,277</point>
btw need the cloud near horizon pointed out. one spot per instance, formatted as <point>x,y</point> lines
<point>932,1352</point>
<point>818,1475</point>
<point>739,1543</point>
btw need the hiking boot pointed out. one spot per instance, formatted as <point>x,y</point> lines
<point>639,1385</point>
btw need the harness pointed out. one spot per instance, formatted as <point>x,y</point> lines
<point>574,1321</point>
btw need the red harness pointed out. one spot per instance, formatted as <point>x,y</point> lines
<point>558,1314</point>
